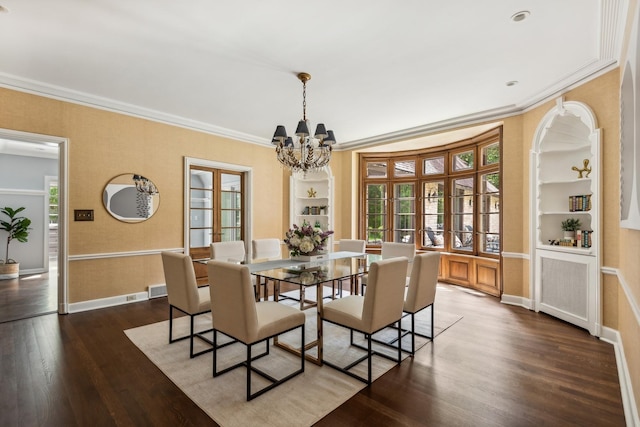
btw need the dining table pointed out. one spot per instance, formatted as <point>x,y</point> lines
<point>335,267</point>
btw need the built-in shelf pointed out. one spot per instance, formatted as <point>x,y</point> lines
<point>312,198</point>
<point>565,165</point>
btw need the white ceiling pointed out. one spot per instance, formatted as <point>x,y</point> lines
<point>381,70</point>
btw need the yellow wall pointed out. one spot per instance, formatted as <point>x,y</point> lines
<point>102,145</point>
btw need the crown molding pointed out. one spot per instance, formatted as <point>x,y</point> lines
<point>63,94</point>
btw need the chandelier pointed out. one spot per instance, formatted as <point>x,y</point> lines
<point>306,153</point>
<point>143,185</point>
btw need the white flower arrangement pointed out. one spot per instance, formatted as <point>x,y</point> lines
<point>306,240</point>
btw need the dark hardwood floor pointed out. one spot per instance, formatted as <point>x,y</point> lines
<point>28,296</point>
<point>499,366</point>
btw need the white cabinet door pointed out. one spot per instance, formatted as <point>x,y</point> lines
<point>567,287</point>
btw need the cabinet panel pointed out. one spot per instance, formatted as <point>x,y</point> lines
<point>488,276</point>
<point>567,286</point>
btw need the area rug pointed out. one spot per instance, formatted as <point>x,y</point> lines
<point>301,401</point>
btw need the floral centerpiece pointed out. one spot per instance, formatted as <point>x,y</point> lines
<point>306,240</point>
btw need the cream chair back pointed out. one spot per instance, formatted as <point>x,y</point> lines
<point>228,251</point>
<point>180,278</point>
<point>266,249</point>
<point>352,245</point>
<point>232,300</point>
<point>393,249</point>
<point>384,299</point>
<point>424,280</point>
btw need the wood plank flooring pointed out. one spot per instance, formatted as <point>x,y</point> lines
<point>498,366</point>
<point>28,296</point>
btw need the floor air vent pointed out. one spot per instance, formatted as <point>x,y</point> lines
<point>156,291</point>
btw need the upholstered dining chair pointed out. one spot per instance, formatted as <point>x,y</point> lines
<point>238,315</point>
<point>391,250</point>
<point>380,307</point>
<point>233,251</point>
<point>266,250</point>
<point>349,245</point>
<point>184,295</point>
<point>421,292</point>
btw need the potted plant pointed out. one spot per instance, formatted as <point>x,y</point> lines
<point>569,226</point>
<point>17,228</point>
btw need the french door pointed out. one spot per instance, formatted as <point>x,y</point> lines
<point>216,208</point>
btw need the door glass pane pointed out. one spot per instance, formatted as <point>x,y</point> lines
<point>230,218</point>
<point>376,169</point>
<point>53,203</point>
<point>230,207</point>
<point>490,183</point>
<point>201,199</point>
<point>201,218</point>
<point>491,243</point>
<point>490,223</point>
<point>230,182</point>
<point>433,214</point>
<point>201,179</point>
<point>462,161</point>
<point>491,154</point>
<point>490,212</point>
<point>199,237</point>
<point>404,168</point>
<point>462,208</point>
<point>462,232</point>
<point>433,166</point>
<point>231,200</point>
<point>376,205</point>
<point>231,234</point>
<point>404,221</point>
<point>201,202</point>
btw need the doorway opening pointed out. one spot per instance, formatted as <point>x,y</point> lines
<point>35,168</point>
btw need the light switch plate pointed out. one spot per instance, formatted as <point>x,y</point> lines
<point>83,215</point>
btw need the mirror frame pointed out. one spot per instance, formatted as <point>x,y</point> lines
<point>131,198</point>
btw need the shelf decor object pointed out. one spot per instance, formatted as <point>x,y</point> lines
<point>585,169</point>
<point>306,153</point>
<point>565,270</point>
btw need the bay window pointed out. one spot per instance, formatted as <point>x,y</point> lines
<point>445,198</point>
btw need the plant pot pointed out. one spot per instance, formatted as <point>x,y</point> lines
<point>569,234</point>
<point>9,271</point>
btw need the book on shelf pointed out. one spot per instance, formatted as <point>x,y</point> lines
<point>580,202</point>
<point>583,238</point>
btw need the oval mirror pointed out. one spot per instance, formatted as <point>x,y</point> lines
<point>131,198</point>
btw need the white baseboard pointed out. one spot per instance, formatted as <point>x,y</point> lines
<point>78,307</point>
<point>516,300</point>
<point>626,389</point>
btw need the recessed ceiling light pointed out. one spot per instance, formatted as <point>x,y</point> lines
<point>512,83</point>
<point>520,16</point>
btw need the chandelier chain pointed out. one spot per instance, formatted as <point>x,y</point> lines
<point>304,100</point>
